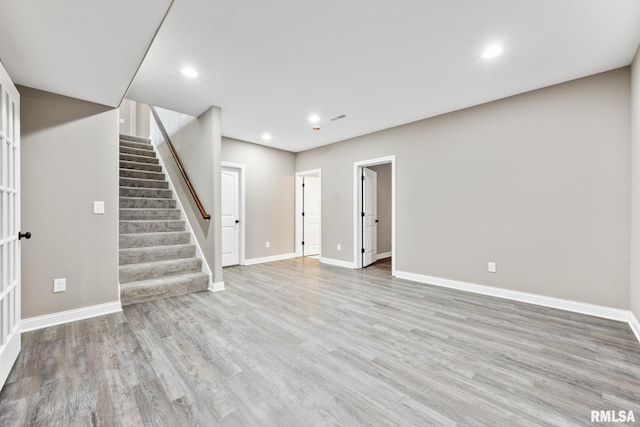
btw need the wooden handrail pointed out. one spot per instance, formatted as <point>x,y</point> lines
<point>192,190</point>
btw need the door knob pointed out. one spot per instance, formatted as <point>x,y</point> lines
<point>26,235</point>
<point>237,221</point>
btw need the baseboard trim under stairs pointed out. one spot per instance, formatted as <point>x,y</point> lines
<point>157,258</point>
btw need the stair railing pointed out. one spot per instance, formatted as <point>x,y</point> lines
<point>192,190</point>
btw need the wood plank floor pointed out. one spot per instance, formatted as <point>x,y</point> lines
<point>297,343</point>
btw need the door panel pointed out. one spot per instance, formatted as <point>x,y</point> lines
<point>369,225</point>
<point>312,215</point>
<point>230,217</point>
<point>9,224</point>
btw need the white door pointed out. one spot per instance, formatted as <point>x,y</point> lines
<point>369,219</point>
<point>311,215</point>
<point>9,225</point>
<point>230,217</point>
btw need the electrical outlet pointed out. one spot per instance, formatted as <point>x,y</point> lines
<point>491,267</point>
<point>98,208</point>
<point>268,244</point>
<point>59,285</point>
<point>339,247</point>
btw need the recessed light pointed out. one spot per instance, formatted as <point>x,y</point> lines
<point>266,136</point>
<point>189,72</point>
<point>492,52</point>
<point>314,118</point>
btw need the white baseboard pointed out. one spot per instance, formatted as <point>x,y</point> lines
<point>635,325</point>
<point>384,255</point>
<point>337,262</point>
<point>217,287</point>
<point>562,304</point>
<point>39,322</point>
<point>269,259</point>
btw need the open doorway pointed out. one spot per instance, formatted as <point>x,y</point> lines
<point>309,213</point>
<point>374,207</point>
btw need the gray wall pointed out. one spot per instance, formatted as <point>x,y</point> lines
<point>384,207</point>
<point>270,196</point>
<point>197,142</point>
<point>538,183</point>
<point>635,179</point>
<point>69,159</point>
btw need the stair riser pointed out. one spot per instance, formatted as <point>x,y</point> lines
<point>137,151</point>
<point>127,227</point>
<point>136,272</point>
<point>130,173</point>
<point>145,192</point>
<point>136,203</point>
<point>140,166</point>
<point>133,294</point>
<point>138,145</point>
<point>138,255</point>
<point>149,214</point>
<point>145,240</point>
<point>139,159</point>
<point>143,183</point>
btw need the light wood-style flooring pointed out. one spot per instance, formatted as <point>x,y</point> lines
<point>297,343</point>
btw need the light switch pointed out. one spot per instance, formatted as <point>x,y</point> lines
<point>491,267</point>
<point>59,285</point>
<point>98,208</point>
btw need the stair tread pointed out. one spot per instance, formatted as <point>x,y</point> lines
<point>150,191</point>
<point>141,198</point>
<point>149,184</point>
<point>137,152</point>
<point>158,268</point>
<point>132,138</point>
<point>148,209</point>
<point>133,178</point>
<point>154,211</point>
<point>159,176</point>
<point>159,263</point>
<point>155,233</point>
<point>139,166</point>
<point>147,221</point>
<point>128,256</point>
<point>151,248</point>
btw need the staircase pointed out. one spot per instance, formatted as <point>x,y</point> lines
<point>157,259</point>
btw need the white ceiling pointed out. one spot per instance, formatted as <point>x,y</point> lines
<point>88,50</point>
<point>270,64</point>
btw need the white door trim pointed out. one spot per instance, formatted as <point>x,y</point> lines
<point>298,233</point>
<point>357,208</point>
<point>241,174</point>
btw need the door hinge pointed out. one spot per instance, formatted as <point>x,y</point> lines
<point>362,214</point>
<point>303,242</point>
<point>362,177</point>
<point>303,184</point>
<point>362,250</point>
<point>302,213</point>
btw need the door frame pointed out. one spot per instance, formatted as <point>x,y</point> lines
<point>240,168</point>
<point>298,232</point>
<point>357,208</point>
